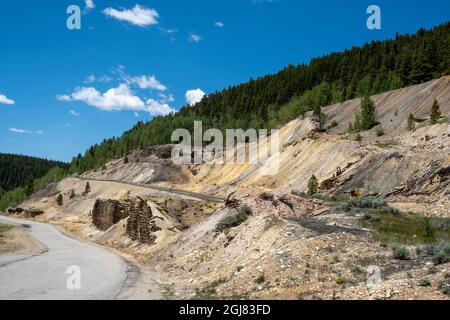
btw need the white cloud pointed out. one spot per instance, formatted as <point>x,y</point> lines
<point>92,78</point>
<point>5,100</point>
<point>39,132</point>
<point>139,15</point>
<point>156,108</point>
<point>74,113</point>
<point>120,98</point>
<point>194,96</point>
<point>136,114</point>
<point>146,82</point>
<point>63,97</point>
<point>89,5</point>
<point>16,130</point>
<point>168,31</point>
<point>195,37</point>
<point>115,99</point>
<point>219,24</point>
<point>165,98</point>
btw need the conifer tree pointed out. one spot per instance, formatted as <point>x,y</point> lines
<point>367,115</point>
<point>411,122</point>
<point>313,185</point>
<point>59,200</point>
<point>435,112</point>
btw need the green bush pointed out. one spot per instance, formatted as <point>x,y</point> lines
<point>266,196</point>
<point>400,252</point>
<point>260,279</point>
<point>442,254</point>
<point>341,280</point>
<point>424,283</point>
<point>245,210</point>
<point>231,222</point>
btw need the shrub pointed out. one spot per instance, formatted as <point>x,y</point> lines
<point>424,283</point>
<point>341,280</point>
<point>358,138</point>
<point>266,196</point>
<point>245,210</point>
<point>59,200</point>
<point>380,131</point>
<point>260,279</point>
<point>72,194</point>
<point>231,222</point>
<point>442,254</point>
<point>298,193</point>
<point>333,124</point>
<point>87,189</point>
<point>400,252</point>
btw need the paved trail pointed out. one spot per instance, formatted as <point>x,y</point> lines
<point>44,276</point>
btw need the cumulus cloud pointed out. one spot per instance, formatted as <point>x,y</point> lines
<point>156,108</point>
<point>219,24</point>
<point>5,100</point>
<point>194,96</point>
<point>115,99</point>
<point>146,82</point>
<point>195,37</point>
<point>165,98</point>
<point>63,97</point>
<point>25,131</point>
<point>139,15</point>
<point>89,5</point>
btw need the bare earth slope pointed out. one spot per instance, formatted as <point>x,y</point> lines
<point>290,246</point>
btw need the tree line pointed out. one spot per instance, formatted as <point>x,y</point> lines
<point>275,99</point>
<point>18,170</point>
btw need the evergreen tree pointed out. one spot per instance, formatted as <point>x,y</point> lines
<point>72,194</point>
<point>367,115</point>
<point>350,127</point>
<point>411,122</point>
<point>436,114</point>
<point>313,185</point>
<point>87,189</point>
<point>59,200</point>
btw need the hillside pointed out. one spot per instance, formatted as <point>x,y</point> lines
<point>287,245</point>
<point>276,99</point>
<point>18,170</point>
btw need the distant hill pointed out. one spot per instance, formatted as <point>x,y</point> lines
<point>275,99</point>
<point>18,170</point>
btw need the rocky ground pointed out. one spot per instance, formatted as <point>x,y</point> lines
<point>270,240</point>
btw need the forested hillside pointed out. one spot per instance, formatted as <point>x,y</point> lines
<point>17,170</point>
<point>274,99</point>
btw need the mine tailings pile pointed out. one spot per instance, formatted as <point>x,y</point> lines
<point>140,224</point>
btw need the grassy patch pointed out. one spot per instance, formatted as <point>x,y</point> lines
<point>167,292</point>
<point>209,291</point>
<point>407,229</point>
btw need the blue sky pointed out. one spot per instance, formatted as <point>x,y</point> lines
<point>63,90</point>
